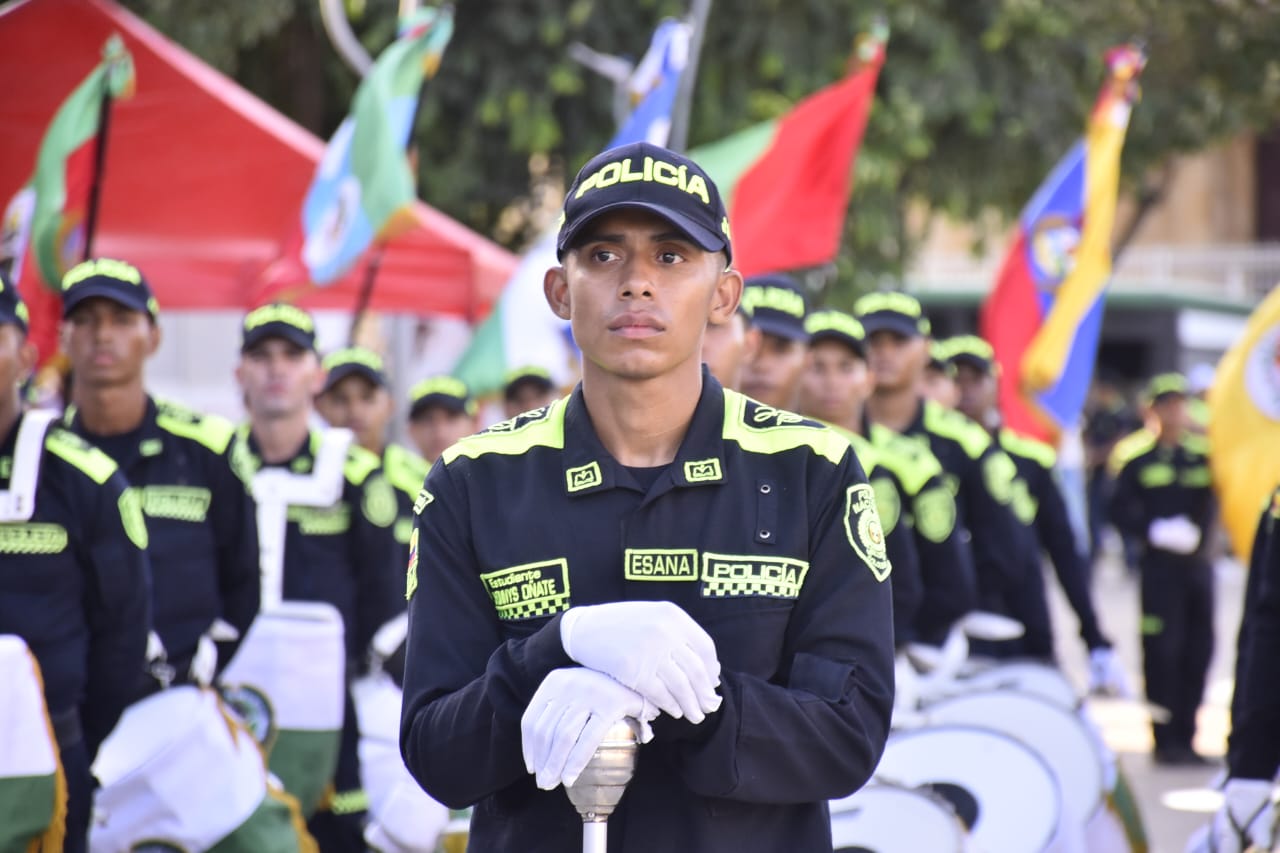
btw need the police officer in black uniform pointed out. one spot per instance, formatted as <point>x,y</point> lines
<point>1164,497</point>
<point>777,306</point>
<point>624,552</point>
<point>345,554</point>
<point>980,474</point>
<point>75,583</point>
<point>527,388</point>
<point>1038,497</point>
<point>200,520</point>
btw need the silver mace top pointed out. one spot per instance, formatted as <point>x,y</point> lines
<point>600,787</point>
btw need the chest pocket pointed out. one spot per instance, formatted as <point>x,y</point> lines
<point>745,603</point>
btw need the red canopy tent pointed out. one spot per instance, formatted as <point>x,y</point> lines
<point>204,182</point>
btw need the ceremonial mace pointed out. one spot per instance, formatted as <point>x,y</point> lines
<point>601,784</point>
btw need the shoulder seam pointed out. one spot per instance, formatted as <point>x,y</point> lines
<point>822,440</point>
<point>81,455</point>
<point>209,431</point>
<point>512,438</point>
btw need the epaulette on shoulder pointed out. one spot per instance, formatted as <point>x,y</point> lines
<point>542,427</point>
<point>955,426</point>
<point>360,464</point>
<point>1196,443</point>
<point>1130,447</point>
<point>78,453</point>
<point>211,431</point>
<point>758,428</point>
<point>404,469</point>
<point>1021,445</point>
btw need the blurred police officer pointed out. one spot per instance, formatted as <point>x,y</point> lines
<point>911,493</point>
<point>777,306</point>
<point>624,552</point>
<point>1164,497</point>
<point>344,554</point>
<point>441,412</point>
<point>75,583</point>
<point>527,388</point>
<point>940,377</point>
<point>200,519</point>
<point>727,347</point>
<point>1037,496</point>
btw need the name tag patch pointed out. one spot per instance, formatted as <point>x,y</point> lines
<point>33,538</point>
<point>737,575</point>
<point>661,564</point>
<point>529,591</point>
<point>179,503</point>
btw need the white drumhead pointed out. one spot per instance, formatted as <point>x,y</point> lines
<point>1024,677</point>
<point>1002,789</point>
<point>888,818</point>
<point>1057,736</point>
<point>147,730</point>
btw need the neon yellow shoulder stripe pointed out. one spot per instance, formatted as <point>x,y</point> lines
<point>404,469</point>
<point>70,448</point>
<point>360,464</point>
<point>1132,445</point>
<point>822,440</point>
<point>211,431</point>
<point>944,422</point>
<point>514,437</point>
<point>1028,447</point>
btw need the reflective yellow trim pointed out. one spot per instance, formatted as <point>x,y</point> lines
<point>1128,448</point>
<point>779,438</point>
<point>1156,475</point>
<point>68,447</point>
<point>179,503</point>
<point>1028,448</point>
<point>360,464</point>
<point>948,424</point>
<point>540,428</point>
<point>321,521</point>
<point>404,469</point>
<point>135,527</point>
<point>1197,477</point>
<point>349,802</point>
<point>34,538</point>
<point>211,431</point>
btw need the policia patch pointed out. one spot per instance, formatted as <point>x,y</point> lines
<point>862,527</point>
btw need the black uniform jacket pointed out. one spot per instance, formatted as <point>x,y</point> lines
<point>763,529</point>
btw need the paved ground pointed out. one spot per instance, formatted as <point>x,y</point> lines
<point>1174,802</point>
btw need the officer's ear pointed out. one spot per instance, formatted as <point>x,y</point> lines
<point>725,297</point>
<point>27,356</point>
<point>153,342</point>
<point>555,286</point>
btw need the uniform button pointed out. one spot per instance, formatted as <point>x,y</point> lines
<point>765,488</point>
<point>765,534</point>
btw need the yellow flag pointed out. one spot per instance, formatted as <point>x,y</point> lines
<point>1244,423</point>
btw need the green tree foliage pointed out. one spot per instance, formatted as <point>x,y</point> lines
<point>977,100</point>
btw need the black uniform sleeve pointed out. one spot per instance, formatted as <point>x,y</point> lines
<point>1253,750</point>
<point>950,581</point>
<point>999,541</point>
<point>235,527</point>
<point>117,603</point>
<point>460,734</point>
<point>818,732</point>
<point>908,588</point>
<point>378,558</point>
<point>1057,535</point>
<point>1126,507</point>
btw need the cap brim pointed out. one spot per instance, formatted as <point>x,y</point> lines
<point>978,363</point>
<point>438,401</point>
<point>780,328</point>
<point>80,294</point>
<point>342,371</point>
<point>709,241</point>
<point>841,338</point>
<point>516,384</point>
<point>886,322</point>
<point>287,333</point>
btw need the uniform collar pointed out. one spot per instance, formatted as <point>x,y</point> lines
<point>589,468</point>
<point>300,463</point>
<point>150,437</point>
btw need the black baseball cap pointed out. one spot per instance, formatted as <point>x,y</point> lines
<point>971,350</point>
<point>777,306</point>
<point>527,375</point>
<point>649,177</point>
<point>832,325</point>
<point>278,320</point>
<point>353,361</point>
<point>12,309</point>
<point>1166,386</point>
<point>893,312</point>
<point>107,278</point>
<point>444,391</point>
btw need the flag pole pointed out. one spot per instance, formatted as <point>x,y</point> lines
<point>679,138</point>
<point>99,162</point>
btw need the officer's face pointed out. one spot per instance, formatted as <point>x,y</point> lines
<point>1172,415</point>
<point>940,387</point>
<point>359,405</point>
<point>639,295</point>
<point>279,379</point>
<point>896,360</point>
<point>977,391</point>
<point>436,429</point>
<point>17,358</point>
<point>726,347</point>
<point>834,384</point>
<point>107,343</point>
<point>772,376</point>
<point>527,397</point>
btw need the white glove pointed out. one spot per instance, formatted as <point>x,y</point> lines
<point>1177,535</point>
<point>653,647</point>
<point>204,663</point>
<point>567,718</point>
<point>1107,676</point>
<point>1243,823</point>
